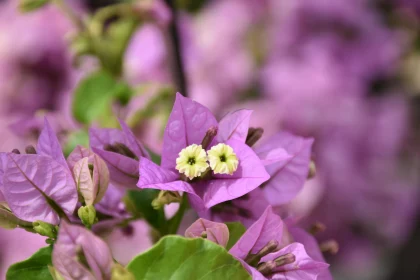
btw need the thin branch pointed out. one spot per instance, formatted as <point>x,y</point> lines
<point>177,66</point>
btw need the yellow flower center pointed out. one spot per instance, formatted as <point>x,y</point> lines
<point>223,159</point>
<point>192,161</point>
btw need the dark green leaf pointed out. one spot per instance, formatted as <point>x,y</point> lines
<point>34,268</point>
<point>236,230</point>
<point>139,203</point>
<point>176,257</point>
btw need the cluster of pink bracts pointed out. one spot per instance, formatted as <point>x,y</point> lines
<point>48,194</point>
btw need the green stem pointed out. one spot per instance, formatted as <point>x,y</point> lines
<point>175,221</point>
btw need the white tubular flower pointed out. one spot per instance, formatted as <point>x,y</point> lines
<point>223,159</point>
<point>192,161</point>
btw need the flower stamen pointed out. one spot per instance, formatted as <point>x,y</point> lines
<point>223,159</point>
<point>192,161</point>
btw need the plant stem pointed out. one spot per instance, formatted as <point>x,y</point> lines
<point>173,224</point>
<point>177,67</point>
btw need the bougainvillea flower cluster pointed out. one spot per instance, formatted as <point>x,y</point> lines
<point>214,164</point>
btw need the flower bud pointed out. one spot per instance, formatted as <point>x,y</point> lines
<point>30,150</point>
<point>92,178</point>
<point>253,259</point>
<point>208,138</point>
<point>285,259</point>
<point>45,229</point>
<point>331,246</point>
<point>87,215</point>
<point>213,231</point>
<point>254,134</point>
<point>317,227</point>
<point>164,198</point>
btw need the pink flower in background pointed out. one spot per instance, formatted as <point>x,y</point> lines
<point>128,242</point>
<point>35,62</point>
<point>17,245</point>
<point>287,176</point>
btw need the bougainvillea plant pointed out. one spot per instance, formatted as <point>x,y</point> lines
<point>204,166</point>
<point>212,205</point>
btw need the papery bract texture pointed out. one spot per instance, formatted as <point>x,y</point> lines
<point>268,227</point>
<point>100,177</point>
<point>234,125</point>
<point>33,184</point>
<point>132,142</point>
<point>216,232</point>
<point>111,204</point>
<point>48,144</point>
<point>249,175</point>
<point>246,209</point>
<point>75,242</point>
<point>3,166</point>
<point>155,177</point>
<point>123,169</point>
<point>77,154</point>
<point>288,174</point>
<point>84,181</point>
<point>312,249</point>
<point>187,124</point>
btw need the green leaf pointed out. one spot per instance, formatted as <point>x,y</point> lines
<point>80,137</point>
<point>118,35</point>
<point>176,257</point>
<point>34,268</point>
<point>31,5</point>
<point>139,203</point>
<point>94,97</point>
<point>236,230</point>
